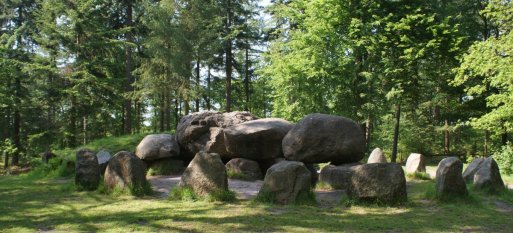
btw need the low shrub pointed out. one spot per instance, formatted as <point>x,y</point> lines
<point>419,176</point>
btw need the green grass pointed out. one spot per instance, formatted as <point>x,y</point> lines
<point>303,198</point>
<point>320,185</point>
<point>187,194</point>
<point>419,176</point>
<point>167,167</point>
<point>238,175</point>
<point>30,204</point>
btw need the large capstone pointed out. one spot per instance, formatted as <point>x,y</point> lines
<point>377,156</point>
<point>449,181</point>
<point>197,130</point>
<point>158,146</point>
<point>488,177</point>
<point>125,170</point>
<point>415,163</point>
<point>320,138</point>
<point>470,171</point>
<point>285,181</point>
<point>244,167</point>
<point>337,177</point>
<point>205,174</point>
<point>87,170</point>
<point>258,140</point>
<point>378,182</point>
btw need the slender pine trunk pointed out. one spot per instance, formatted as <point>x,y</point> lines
<point>396,133</point>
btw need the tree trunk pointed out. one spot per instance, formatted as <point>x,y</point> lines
<point>177,117</point>
<point>246,78</point>
<point>128,70</point>
<point>486,142</point>
<point>229,64</point>
<point>162,113</point>
<point>208,90</point>
<point>85,129</point>
<point>72,138</point>
<point>368,128</point>
<point>396,133</point>
<point>17,122</point>
<point>167,110</point>
<point>446,138</point>
<point>6,160</point>
<point>197,85</point>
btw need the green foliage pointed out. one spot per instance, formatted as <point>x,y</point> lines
<point>320,185</point>
<point>167,167</point>
<point>303,198</point>
<point>137,190</point>
<point>504,159</point>
<point>222,195</point>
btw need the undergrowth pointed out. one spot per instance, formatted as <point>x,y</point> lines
<point>188,194</point>
<point>419,176</point>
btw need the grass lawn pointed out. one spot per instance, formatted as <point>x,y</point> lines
<point>29,204</point>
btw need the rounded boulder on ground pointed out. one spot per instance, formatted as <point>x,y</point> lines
<point>377,156</point>
<point>470,171</point>
<point>194,131</point>
<point>158,146</point>
<point>378,182</point>
<point>415,163</point>
<point>87,170</point>
<point>245,167</point>
<point>205,174</point>
<point>286,181</point>
<point>258,139</point>
<point>320,138</point>
<point>488,176</point>
<point>449,180</point>
<point>337,177</point>
<point>125,170</point>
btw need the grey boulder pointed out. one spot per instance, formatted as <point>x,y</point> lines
<point>205,174</point>
<point>125,170</point>
<point>320,138</point>
<point>377,156</point>
<point>87,170</point>
<point>488,176</point>
<point>158,146</point>
<point>248,168</point>
<point>337,177</point>
<point>103,159</point>
<point>378,182</point>
<point>415,163</point>
<point>285,181</point>
<point>449,180</point>
<point>470,171</point>
<point>258,139</point>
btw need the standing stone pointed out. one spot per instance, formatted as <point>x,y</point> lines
<point>449,180</point>
<point>47,156</point>
<point>415,163</point>
<point>158,146</point>
<point>246,167</point>
<point>125,170</point>
<point>87,170</point>
<point>338,177</point>
<point>378,182</point>
<point>320,138</point>
<point>285,181</point>
<point>103,160</point>
<point>470,171</point>
<point>377,156</point>
<point>205,174</point>
<point>194,131</point>
<point>488,176</point>
<point>258,139</point>
<point>314,174</point>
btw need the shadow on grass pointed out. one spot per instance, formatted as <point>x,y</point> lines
<point>34,205</point>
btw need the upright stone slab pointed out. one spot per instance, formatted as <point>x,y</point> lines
<point>248,168</point>
<point>470,171</point>
<point>320,138</point>
<point>377,156</point>
<point>378,182</point>
<point>415,163</point>
<point>125,170</point>
<point>488,176</point>
<point>87,170</point>
<point>206,173</point>
<point>449,180</point>
<point>338,177</point>
<point>285,181</point>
